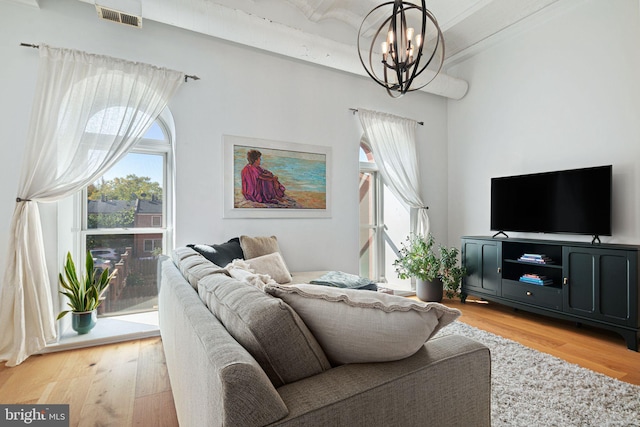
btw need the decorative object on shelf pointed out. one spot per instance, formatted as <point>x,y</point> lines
<point>84,293</point>
<point>535,279</point>
<point>536,259</point>
<point>395,57</point>
<point>434,274</point>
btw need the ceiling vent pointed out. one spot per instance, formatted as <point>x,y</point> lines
<point>127,12</point>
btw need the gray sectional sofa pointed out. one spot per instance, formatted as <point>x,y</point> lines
<point>254,363</point>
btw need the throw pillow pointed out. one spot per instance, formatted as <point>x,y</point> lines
<point>340,279</point>
<point>254,247</point>
<point>356,326</point>
<point>272,265</point>
<point>266,327</point>
<point>221,254</point>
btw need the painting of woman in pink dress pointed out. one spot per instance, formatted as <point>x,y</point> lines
<point>257,171</point>
<point>259,184</point>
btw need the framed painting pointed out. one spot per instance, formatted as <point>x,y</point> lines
<point>274,179</point>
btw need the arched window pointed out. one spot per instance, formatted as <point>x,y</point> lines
<point>127,218</point>
<point>384,224</point>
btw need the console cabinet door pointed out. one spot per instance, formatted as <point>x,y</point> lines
<point>482,260</point>
<point>600,284</point>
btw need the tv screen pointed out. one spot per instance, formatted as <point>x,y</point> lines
<point>576,201</point>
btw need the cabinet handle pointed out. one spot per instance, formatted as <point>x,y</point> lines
<point>499,270</point>
<point>565,281</point>
<point>529,293</point>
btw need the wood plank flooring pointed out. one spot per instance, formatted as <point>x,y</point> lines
<point>126,384</point>
<point>593,348</point>
<point>123,384</point>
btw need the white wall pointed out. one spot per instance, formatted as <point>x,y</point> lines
<point>562,93</point>
<point>242,92</point>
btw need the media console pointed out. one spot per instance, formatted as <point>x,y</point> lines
<point>593,284</point>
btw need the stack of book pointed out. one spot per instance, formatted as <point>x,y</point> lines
<point>536,258</point>
<point>536,279</point>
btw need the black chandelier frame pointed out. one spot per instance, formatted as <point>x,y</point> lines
<point>404,68</point>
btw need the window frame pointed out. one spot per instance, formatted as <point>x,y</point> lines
<point>378,224</point>
<point>377,221</point>
<point>163,147</point>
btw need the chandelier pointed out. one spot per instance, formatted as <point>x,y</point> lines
<point>397,59</point>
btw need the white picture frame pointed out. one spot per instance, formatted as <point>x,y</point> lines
<point>293,180</point>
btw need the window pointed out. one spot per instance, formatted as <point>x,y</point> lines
<point>152,245</point>
<point>384,225</point>
<point>125,222</point>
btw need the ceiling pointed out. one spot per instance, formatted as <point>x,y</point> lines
<point>325,31</point>
<point>464,22</point>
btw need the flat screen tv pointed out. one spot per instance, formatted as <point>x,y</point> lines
<point>576,201</point>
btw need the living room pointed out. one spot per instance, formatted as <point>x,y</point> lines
<point>559,92</point>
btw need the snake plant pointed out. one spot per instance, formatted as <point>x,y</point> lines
<point>83,291</point>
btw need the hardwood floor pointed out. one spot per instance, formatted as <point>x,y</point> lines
<point>126,384</point>
<point>593,348</point>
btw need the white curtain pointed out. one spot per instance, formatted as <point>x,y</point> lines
<point>88,112</point>
<point>393,142</point>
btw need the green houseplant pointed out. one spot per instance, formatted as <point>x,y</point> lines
<point>84,292</point>
<point>451,273</point>
<point>433,271</point>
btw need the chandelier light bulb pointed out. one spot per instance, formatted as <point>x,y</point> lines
<point>410,34</point>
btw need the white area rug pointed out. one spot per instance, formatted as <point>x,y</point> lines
<point>531,388</point>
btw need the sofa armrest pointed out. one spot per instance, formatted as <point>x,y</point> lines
<point>446,383</point>
<point>214,380</point>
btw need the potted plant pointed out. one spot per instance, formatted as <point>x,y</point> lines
<point>433,272</point>
<point>451,273</point>
<point>84,293</point>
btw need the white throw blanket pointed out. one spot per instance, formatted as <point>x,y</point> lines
<point>240,270</point>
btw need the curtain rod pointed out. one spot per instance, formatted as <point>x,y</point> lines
<point>35,46</point>
<point>355,110</point>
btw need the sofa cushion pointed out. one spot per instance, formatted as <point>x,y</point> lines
<point>266,327</point>
<point>271,264</point>
<point>178,254</point>
<point>187,263</point>
<point>220,254</point>
<point>356,326</point>
<point>194,266</point>
<point>195,273</point>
